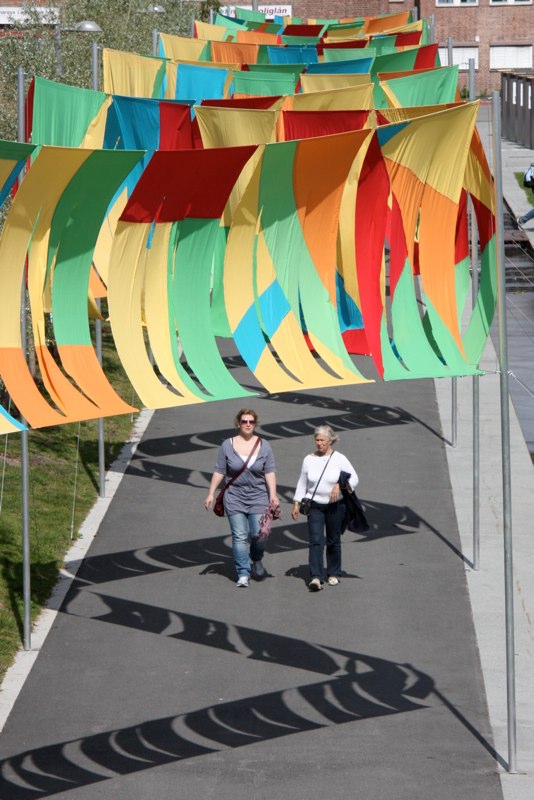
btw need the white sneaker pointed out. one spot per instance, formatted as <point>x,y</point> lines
<point>333,581</point>
<point>258,570</point>
<point>315,585</point>
<point>242,582</point>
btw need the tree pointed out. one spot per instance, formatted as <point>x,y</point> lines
<point>45,42</point>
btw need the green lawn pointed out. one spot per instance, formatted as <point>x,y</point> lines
<point>529,192</point>
<point>63,485</point>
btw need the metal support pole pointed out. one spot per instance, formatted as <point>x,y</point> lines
<point>101,444</point>
<point>454,381</point>
<point>24,456</point>
<point>254,5</point>
<point>94,66</point>
<point>505,436</point>
<point>472,74</point>
<point>212,15</point>
<point>155,41</point>
<point>415,14</point>
<point>432,29</point>
<point>476,378</point>
<point>98,324</point>
<point>454,411</point>
<point>59,51</point>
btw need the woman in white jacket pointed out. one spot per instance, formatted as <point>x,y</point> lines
<point>319,482</point>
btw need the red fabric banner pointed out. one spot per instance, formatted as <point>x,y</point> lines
<point>175,126</point>
<point>186,183</point>
<point>308,124</point>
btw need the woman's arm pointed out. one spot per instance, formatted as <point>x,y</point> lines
<point>270,480</point>
<point>353,480</point>
<point>300,491</point>
<point>215,482</point>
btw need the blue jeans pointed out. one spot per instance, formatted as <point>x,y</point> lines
<point>528,216</point>
<point>242,526</point>
<point>327,516</point>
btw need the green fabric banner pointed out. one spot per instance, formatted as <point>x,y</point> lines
<point>62,114</point>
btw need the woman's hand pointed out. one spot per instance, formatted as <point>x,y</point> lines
<point>335,494</point>
<point>295,511</point>
<point>208,502</point>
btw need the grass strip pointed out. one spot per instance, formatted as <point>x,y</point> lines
<point>63,479</point>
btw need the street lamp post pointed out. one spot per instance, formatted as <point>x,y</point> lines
<point>85,26</point>
<point>155,8</point>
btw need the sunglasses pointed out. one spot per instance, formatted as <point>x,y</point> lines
<point>247,421</point>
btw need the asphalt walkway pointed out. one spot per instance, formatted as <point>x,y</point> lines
<point>159,678</point>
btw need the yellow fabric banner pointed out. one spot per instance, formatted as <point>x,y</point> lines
<point>323,83</point>
<point>228,127</point>
<point>182,48</point>
<point>212,33</point>
<point>349,98</point>
<point>129,74</point>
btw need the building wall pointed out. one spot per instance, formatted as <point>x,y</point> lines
<point>332,9</point>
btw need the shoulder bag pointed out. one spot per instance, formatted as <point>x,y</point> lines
<point>218,506</point>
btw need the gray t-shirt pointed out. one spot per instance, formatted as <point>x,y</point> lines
<point>248,494</point>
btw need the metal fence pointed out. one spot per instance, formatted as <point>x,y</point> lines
<point>517,105</point>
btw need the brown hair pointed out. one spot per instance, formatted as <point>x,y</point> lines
<point>242,412</point>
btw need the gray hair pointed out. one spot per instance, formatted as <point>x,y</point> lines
<point>326,430</point>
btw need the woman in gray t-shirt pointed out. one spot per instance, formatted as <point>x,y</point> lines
<point>247,497</point>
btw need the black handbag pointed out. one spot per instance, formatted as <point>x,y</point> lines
<point>218,506</point>
<point>305,506</point>
<point>306,502</point>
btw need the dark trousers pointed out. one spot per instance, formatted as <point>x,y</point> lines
<point>329,517</point>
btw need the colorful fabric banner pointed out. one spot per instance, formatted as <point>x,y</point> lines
<point>181,48</point>
<point>352,67</point>
<point>132,75</point>
<point>422,87</point>
<point>310,226</point>
<point>67,116</point>
<point>263,83</point>
<point>323,83</point>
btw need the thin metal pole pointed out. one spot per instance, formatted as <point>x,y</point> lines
<point>24,457</point>
<point>94,65</point>
<point>59,51</point>
<point>476,378</point>
<point>98,325</point>
<point>415,14</point>
<point>254,5</point>
<point>454,411</point>
<point>472,76</point>
<point>155,41</point>
<point>505,436</point>
<point>432,29</point>
<point>454,381</point>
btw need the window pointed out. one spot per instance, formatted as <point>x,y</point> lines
<point>511,56</point>
<point>460,56</point>
<point>459,2</point>
<point>510,2</point>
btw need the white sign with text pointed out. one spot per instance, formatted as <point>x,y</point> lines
<point>270,11</point>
